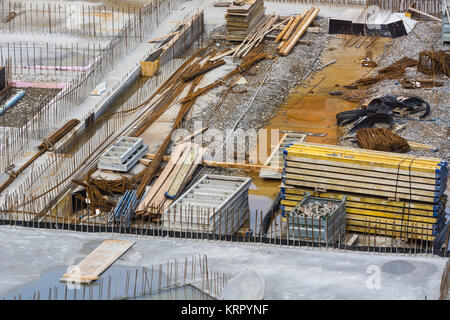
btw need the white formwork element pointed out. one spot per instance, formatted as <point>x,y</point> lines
<point>121,150</point>
<point>128,163</point>
<point>275,160</point>
<point>215,203</point>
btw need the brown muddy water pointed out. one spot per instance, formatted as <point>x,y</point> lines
<point>310,108</point>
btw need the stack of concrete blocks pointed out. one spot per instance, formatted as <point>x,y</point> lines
<point>123,154</point>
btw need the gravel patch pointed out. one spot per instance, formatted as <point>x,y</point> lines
<point>435,129</point>
<point>31,103</point>
<point>285,73</point>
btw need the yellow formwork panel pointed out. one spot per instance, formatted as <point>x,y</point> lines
<point>323,167</point>
<point>289,205</point>
<point>329,179</point>
<point>365,152</point>
<point>364,166</point>
<point>361,190</point>
<point>420,215</point>
<point>365,179</point>
<point>389,227</point>
<point>363,157</point>
<point>364,160</point>
<point>388,233</point>
<point>366,199</point>
<point>398,222</point>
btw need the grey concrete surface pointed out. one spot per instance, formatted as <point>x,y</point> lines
<point>289,273</point>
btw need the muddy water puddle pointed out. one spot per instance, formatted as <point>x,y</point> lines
<point>310,107</point>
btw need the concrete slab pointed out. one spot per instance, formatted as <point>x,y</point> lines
<point>154,135</point>
<point>289,273</point>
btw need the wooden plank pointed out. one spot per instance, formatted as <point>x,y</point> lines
<point>380,224</point>
<point>424,14</point>
<point>209,163</point>
<point>176,154</point>
<point>421,146</point>
<point>281,34</point>
<point>428,227</point>
<point>364,158</point>
<point>159,196</point>
<point>220,56</point>
<point>276,149</point>
<point>177,182</point>
<point>406,165</point>
<point>293,26</point>
<point>189,137</point>
<point>92,266</point>
<point>352,240</point>
<point>287,47</point>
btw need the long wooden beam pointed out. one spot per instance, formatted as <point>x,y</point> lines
<point>209,163</point>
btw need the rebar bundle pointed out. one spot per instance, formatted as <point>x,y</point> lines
<point>393,71</point>
<point>434,62</point>
<point>381,139</point>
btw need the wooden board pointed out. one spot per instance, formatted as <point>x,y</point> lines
<point>147,200</point>
<point>301,29</point>
<point>91,267</point>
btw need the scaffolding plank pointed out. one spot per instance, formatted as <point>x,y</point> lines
<point>92,266</point>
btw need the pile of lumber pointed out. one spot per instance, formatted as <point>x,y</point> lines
<point>388,193</point>
<point>175,176</point>
<point>256,36</point>
<point>294,30</point>
<point>242,18</point>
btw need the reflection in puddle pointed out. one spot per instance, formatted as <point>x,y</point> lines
<point>117,282</point>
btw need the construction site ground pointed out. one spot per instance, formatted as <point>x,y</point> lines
<point>287,93</point>
<point>285,102</point>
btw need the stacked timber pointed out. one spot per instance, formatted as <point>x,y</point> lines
<point>241,18</point>
<point>387,193</point>
<point>175,176</point>
<point>294,30</point>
